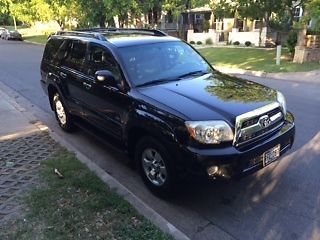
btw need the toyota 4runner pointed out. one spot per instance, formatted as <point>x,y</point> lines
<point>158,99</point>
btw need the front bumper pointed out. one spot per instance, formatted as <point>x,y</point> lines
<point>233,161</point>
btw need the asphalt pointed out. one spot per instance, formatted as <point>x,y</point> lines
<point>279,202</point>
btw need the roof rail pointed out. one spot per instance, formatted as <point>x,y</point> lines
<point>88,34</point>
<point>153,32</point>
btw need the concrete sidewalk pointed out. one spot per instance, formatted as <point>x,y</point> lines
<point>23,145</point>
<point>12,122</point>
<point>307,77</point>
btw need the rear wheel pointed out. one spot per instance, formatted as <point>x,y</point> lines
<point>155,166</point>
<point>63,117</point>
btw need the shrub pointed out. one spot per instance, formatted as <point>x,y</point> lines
<point>199,43</point>
<point>192,42</point>
<point>292,42</point>
<point>247,43</point>
<point>209,41</point>
<point>236,43</point>
<point>206,26</point>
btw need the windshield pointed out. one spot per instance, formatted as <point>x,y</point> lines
<point>162,62</point>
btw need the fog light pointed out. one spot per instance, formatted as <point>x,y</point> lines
<point>212,171</point>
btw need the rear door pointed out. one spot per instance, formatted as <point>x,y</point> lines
<point>72,72</point>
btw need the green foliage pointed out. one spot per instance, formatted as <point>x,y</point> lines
<point>292,42</point>
<point>80,204</point>
<point>199,3</point>
<point>175,6</point>
<point>209,41</point>
<point>199,43</point>
<point>247,43</point>
<point>206,25</point>
<point>313,9</point>
<point>192,42</point>
<point>223,8</point>
<point>236,43</point>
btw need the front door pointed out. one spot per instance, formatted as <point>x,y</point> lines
<point>105,106</point>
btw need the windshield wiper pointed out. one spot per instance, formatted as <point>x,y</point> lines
<point>194,73</point>
<point>153,82</point>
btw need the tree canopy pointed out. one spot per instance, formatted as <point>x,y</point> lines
<point>98,12</point>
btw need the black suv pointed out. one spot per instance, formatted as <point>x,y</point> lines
<point>158,99</point>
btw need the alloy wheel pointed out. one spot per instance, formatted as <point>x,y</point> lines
<point>154,166</point>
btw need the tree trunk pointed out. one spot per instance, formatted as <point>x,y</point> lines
<point>14,22</point>
<point>235,21</point>
<point>260,32</point>
<point>301,42</point>
<point>102,21</point>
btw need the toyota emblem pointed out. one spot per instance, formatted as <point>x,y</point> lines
<point>264,121</point>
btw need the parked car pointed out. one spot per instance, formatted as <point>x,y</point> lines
<point>2,29</point>
<point>11,34</point>
<point>158,99</point>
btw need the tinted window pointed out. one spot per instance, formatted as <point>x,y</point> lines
<point>76,55</point>
<point>167,60</point>
<point>100,59</point>
<point>51,49</point>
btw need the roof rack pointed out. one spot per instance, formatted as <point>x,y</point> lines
<point>89,34</point>
<point>153,32</point>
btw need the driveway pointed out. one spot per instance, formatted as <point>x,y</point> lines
<point>281,201</point>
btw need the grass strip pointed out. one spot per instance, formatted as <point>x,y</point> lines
<point>78,206</point>
<point>254,59</point>
<point>41,39</point>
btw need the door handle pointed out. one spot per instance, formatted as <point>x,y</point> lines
<point>87,85</point>
<point>63,75</point>
<point>110,88</point>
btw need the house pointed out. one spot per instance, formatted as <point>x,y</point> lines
<point>204,26</point>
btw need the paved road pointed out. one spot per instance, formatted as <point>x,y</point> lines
<point>281,201</point>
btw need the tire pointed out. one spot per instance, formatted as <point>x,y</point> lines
<point>63,117</point>
<point>155,167</point>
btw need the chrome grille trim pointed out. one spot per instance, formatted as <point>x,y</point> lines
<point>239,131</point>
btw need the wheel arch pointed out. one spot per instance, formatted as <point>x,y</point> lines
<point>144,126</point>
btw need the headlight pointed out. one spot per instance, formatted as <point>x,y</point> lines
<point>210,132</point>
<point>282,100</point>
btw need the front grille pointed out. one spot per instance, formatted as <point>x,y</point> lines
<point>255,120</point>
<point>271,128</point>
<point>258,123</point>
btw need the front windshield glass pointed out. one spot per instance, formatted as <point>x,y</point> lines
<point>161,62</point>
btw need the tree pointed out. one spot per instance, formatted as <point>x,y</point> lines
<point>4,12</point>
<point>311,11</point>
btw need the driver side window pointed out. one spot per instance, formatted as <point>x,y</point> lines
<point>100,59</point>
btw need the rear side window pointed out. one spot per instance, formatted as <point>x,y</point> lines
<point>76,57</point>
<point>51,49</point>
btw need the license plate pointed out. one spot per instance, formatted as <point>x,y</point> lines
<point>271,155</point>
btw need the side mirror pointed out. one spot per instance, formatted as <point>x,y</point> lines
<point>106,77</point>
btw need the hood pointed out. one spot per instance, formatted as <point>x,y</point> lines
<point>211,97</point>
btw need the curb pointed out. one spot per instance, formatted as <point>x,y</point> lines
<point>114,184</point>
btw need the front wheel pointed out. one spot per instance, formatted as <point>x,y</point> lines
<point>62,115</point>
<point>155,166</point>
